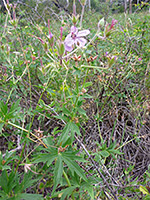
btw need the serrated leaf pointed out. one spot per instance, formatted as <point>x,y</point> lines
<point>74,167</point>
<point>75,128</point>
<point>15,106</point>
<point>46,157</point>
<point>65,134</point>
<point>72,155</point>
<point>66,111</point>
<point>3,109</point>
<point>58,171</point>
<point>67,192</point>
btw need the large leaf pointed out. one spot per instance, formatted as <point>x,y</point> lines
<point>69,130</point>
<point>72,156</point>
<point>74,167</point>
<point>58,171</point>
<point>46,157</point>
<point>65,134</point>
<point>74,128</point>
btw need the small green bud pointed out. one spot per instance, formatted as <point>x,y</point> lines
<point>83,2</point>
<point>61,49</point>
<point>101,22</point>
<point>14,22</point>
<point>51,41</point>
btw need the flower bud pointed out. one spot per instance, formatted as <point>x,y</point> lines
<point>61,49</point>
<point>75,19</point>
<point>101,22</point>
<point>82,2</point>
<point>51,40</point>
<point>14,22</point>
<point>111,60</point>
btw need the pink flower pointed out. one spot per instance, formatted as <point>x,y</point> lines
<point>50,35</point>
<point>75,38</point>
<point>140,59</point>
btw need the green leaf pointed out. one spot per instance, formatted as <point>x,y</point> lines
<point>65,192</point>
<point>4,181</point>
<point>89,188</point>
<point>66,111</point>
<point>82,112</point>
<point>143,190</point>
<point>49,142</point>
<point>87,84</point>
<point>3,109</point>
<point>15,107</point>
<point>75,128</point>
<point>147,197</point>
<point>3,195</point>
<point>72,155</point>
<point>104,153</point>
<point>26,182</point>
<point>8,181</point>
<point>65,134</point>
<point>26,196</point>
<point>58,171</point>
<point>46,157</point>
<point>69,130</point>
<point>148,174</point>
<point>74,167</point>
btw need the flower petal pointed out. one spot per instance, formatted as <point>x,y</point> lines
<point>69,48</point>
<point>74,30</point>
<point>83,33</point>
<point>69,41</point>
<point>80,42</point>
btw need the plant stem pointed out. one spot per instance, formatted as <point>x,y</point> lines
<point>82,16</point>
<point>25,130</point>
<point>69,184</point>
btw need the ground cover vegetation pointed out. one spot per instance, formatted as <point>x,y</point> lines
<point>74,102</point>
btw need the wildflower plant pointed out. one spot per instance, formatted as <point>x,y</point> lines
<point>52,78</point>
